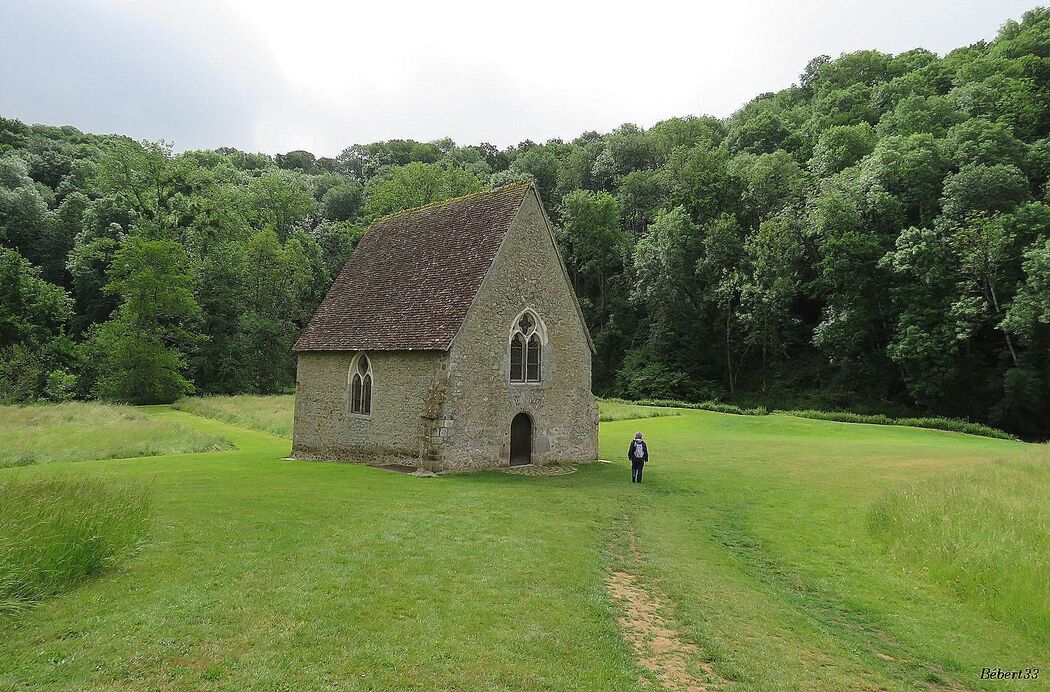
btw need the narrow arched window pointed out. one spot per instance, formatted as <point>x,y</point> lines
<point>360,381</point>
<point>532,359</point>
<point>517,358</point>
<point>526,350</point>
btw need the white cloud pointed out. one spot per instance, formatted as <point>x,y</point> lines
<point>323,75</point>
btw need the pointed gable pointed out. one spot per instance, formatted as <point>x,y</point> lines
<point>413,276</point>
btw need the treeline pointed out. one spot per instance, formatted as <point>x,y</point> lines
<point>875,237</point>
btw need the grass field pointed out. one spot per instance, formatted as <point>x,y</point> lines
<point>82,430</point>
<point>774,552</point>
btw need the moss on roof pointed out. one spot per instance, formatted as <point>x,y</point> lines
<point>452,200</point>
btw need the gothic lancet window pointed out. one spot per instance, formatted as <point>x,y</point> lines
<point>517,358</point>
<point>532,359</point>
<point>526,351</point>
<point>360,398</point>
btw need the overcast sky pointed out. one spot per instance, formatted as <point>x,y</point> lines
<point>304,74</point>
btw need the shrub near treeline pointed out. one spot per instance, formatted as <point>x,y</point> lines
<point>947,424</point>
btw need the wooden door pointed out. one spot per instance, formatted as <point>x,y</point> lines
<point>521,440</point>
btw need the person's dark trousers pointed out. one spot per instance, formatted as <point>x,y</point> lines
<point>636,470</point>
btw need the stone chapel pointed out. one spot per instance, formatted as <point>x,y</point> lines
<point>452,339</point>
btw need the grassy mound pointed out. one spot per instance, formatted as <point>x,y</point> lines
<point>983,534</point>
<point>272,414</point>
<point>56,533</point>
<point>78,431</point>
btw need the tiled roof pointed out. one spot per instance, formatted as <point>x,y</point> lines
<point>413,276</point>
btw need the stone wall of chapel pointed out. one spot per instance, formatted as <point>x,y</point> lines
<point>324,428</point>
<point>480,400</point>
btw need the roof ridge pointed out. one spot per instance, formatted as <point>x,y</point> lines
<point>451,200</point>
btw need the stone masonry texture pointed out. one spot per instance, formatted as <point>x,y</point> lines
<point>324,428</point>
<point>481,401</point>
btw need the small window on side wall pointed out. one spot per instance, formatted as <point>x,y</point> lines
<point>360,381</point>
<point>526,351</point>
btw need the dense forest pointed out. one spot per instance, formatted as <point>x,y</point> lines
<point>875,237</point>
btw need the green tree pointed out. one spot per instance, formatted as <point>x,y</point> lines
<point>343,202</point>
<point>219,287</point>
<point>279,200</point>
<point>280,293</point>
<point>1030,310</point>
<point>771,282</point>
<point>981,141</point>
<point>541,165</point>
<point>924,343</point>
<point>665,261</point>
<point>140,354</point>
<point>911,169</point>
<point>34,315</point>
<point>25,221</point>
<point>984,247</point>
<point>143,177</point>
<point>641,195</point>
<point>978,188</point>
<point>851,288</point>
<point>416,184</point>
<point>769,183</point>
<point>840,147</point>
<point>722,268</point>
<point>593,246</point>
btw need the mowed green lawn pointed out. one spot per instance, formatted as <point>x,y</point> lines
<point>773,543</point>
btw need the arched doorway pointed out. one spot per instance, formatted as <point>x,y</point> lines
<point>521,440</point>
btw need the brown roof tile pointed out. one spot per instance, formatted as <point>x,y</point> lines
<point>411,279</point>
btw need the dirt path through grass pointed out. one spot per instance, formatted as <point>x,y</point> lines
<point>657,644</point>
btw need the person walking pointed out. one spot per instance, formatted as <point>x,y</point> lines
<point>638,453</point>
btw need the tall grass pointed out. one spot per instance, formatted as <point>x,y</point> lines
<point>81,430</point>
<point>955,425</point>
<point>842,416</point>
<point>932,422</point>
<point>716,406</point>
<point>618,409</point>
<point>55,534</point>
<point>272,414</point>
<point>984,534</point>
